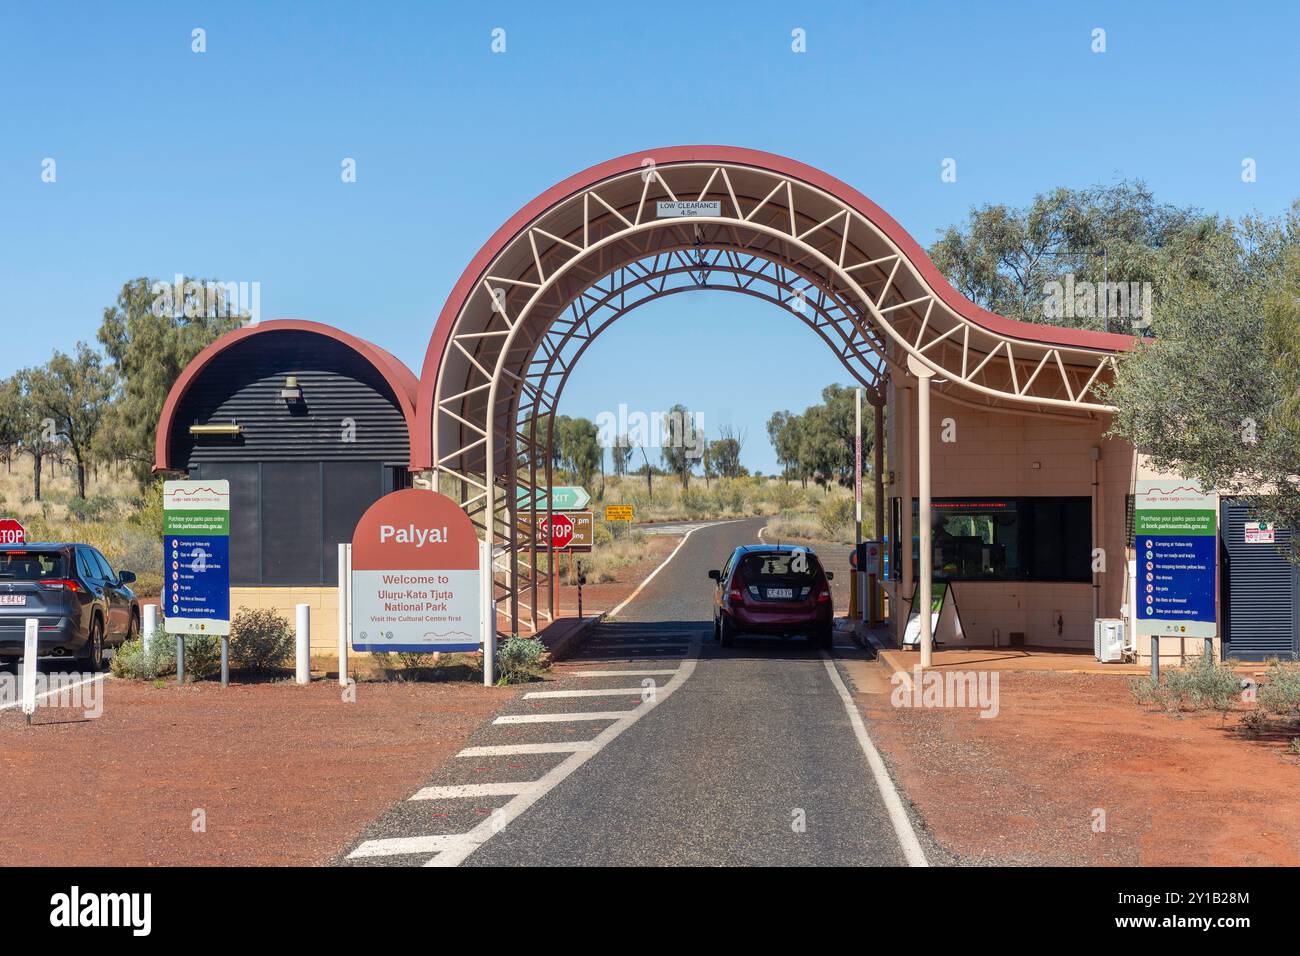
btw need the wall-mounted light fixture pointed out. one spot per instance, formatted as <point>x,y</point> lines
<point>220,428</point>
<point>291,392</point>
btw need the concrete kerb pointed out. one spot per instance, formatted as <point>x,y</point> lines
<point>561,638</point>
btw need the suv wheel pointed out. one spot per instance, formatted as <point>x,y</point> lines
<point>92,655</point>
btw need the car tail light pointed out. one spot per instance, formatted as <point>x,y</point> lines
<point>61,584</point>
<point>823,595</point>
<point>736,594</point>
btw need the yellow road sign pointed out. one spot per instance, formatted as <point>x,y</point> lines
<point>618,512</point>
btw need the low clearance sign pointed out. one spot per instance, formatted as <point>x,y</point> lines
<point>415,576</point>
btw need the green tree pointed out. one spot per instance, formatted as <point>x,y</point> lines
<point>783,431</point>
<point>577,442</point>
<point>681,443</point>
<point>149,338</point>
<point>621,454</point>
<point>1004,257</point>
<point>75,393</point>
<point>38,434</point>
<point>1215,395</point>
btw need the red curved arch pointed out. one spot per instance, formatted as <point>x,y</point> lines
<point>399,378</point>
<point>422,435</point>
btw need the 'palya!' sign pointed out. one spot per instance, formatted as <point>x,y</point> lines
<point>415,576</point>
<point>412,535</point>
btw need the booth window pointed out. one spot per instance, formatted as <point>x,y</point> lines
<point>1007,539</point>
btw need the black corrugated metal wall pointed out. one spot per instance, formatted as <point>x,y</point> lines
<point>1260,591</point>
<point>301,474</point>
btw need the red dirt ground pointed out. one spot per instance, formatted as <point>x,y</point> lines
<point>286,774</point>
<point>1021,788</point>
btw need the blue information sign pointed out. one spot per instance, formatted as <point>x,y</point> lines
<point>196,557</point>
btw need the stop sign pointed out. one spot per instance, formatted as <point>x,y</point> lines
<point>11,532</point>
<point>561,530</point>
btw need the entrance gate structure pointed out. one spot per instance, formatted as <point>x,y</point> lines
<point>594,247</point>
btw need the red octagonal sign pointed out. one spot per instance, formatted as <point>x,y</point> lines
<point>11,532</point>
<point>561,530</point>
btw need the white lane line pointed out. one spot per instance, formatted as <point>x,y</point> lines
<point>394,846</point>
<point>56,690</point>
<point>469,790</point>
<point>466,843</point>
<point>760,532</point>
<point>508,750</point>
<point>912,851</point>
<point>646,673</point>
<point>599,692</point>
<point>560,718</point>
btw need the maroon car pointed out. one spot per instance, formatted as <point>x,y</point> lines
<point>773,589</point>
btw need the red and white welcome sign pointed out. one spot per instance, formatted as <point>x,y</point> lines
<point>415,575</point>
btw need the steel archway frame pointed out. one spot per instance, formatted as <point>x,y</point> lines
<point>628,288</point>
<point>545,258</point>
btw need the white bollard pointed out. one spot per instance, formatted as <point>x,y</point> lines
<point>29,668</point>
<point>343,614</point>
<point>303,637</point>
<point>150,626</point>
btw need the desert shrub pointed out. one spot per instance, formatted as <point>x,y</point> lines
<point>260,640</point>
<point>133,662</point>
<point>785,497</point>
<point>833,518</point>
<point>1279,694</point>
<point>518,660</point>
<point>96,508</point>
<point>1202,685</point>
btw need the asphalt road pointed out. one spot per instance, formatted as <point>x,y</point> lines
<point>747,756</point>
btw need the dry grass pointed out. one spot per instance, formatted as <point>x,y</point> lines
<point>113,518</point>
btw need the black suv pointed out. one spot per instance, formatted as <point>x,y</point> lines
<point>82,605</point>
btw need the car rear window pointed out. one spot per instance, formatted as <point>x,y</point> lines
<point>796,566</point>
<point>32,565</point>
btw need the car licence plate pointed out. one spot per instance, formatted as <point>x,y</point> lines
<point>13,600</point>
<point>786,593</point>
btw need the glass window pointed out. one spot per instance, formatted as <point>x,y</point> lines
<point>31,565</point>
<point>1008,539</point>
<point>779,565</point>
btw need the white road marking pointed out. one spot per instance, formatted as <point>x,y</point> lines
<point>466,843</point>
<point>453,851</point>
<point>56,690</point>
<point>560,718</point>
<point>469,790</point>
<point>398,845</point>
<point>600,692</point>
<point>647,673</point>
<point>888,792</point>
<point>508,750</point>
<point>643,645</point>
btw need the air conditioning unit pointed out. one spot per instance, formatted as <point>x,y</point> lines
<point>1108,640</point>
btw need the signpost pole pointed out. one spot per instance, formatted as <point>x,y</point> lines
<point>180,658</point>
<point>225,661</point>
<point>344,593</point>
<point>29,668</point>
<point>861,574</point>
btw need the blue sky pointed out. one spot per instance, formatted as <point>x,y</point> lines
<point>226,164</point>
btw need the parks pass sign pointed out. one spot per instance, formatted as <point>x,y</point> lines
<point>415,576</point>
